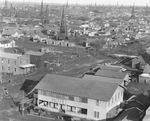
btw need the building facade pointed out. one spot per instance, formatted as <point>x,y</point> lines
<point>15,63</point>
<point>82,100</point>
<point>38,58</point>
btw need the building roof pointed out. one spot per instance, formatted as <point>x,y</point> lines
<point>146,57</point>
<point>103,79</point>
<point>34,53</point>
<point>91,88</point>
<point>109,67</point>
<point>27,65</point>
<point>9,55</point>
<point>111,74</point>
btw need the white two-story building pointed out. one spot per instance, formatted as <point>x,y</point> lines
<point>85,98</point>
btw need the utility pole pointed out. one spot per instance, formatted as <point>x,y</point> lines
<point>23,105</point>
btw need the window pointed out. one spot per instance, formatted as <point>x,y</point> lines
<point>8,68</point>
<point>71,98</point>
<point>56,105</point>
<point>43,103</point>
<point>51,104</point>
<point>96,114</point>
<point>112,99</point>
<point>65,97</point>
<point>15,62</point>
<point>97,102</point>
<point>2,67</point>
<point>2,60</point>
<point>118,95</point>
<point>115,97</point>
<point>77,99</point>
<point>84,100</point>
<point>8,61</point>
<point>15,69</point>
<point>73,109</point>
<point>81,110</point>
<point>68,108</point>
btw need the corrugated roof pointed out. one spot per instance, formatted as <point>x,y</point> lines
<point>9,55</point>
<point>111,74</point>
<point>91,88</point>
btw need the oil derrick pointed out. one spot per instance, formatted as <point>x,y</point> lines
<point>46,16</point>
<point>11,10</point>
<point>62,35</point>
<point>133,13</point>
<point>147,10</point>
<point>5,9</point>
<point>41,15</point>
<point>6,5</point>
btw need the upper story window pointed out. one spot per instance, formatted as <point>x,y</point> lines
<point>8,61</point>
<point>115,97</point>
<point>15,62</point>
<point>2,67</point>
<point>97,102</point>
<point>112,99</point>
<point>71,98</point>
<point>2,60</point>
<point>84,100</point>
<point>78,99</point>
<point>118,95</point>
<point>8,68</point>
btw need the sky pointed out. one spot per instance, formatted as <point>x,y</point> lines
<point>98,2</point>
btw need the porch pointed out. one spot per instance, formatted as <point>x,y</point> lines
<point>28,68</point>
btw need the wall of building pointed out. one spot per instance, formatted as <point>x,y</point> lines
<point>144,80</point>
<point>96,109</point>
<point>116,99</point>
<point>9,65</point>
<point>37,60</point>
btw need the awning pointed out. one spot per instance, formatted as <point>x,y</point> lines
<point>27,66</point>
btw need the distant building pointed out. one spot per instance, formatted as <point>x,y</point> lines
<point>145,76</point>
<point>15,63</point>
<point>114,74</point>
<point>7,43</point>
<point>148,50</point>
<point>60,43</point>
<point>85,98</point>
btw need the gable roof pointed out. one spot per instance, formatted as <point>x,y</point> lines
<point>90,88</point>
